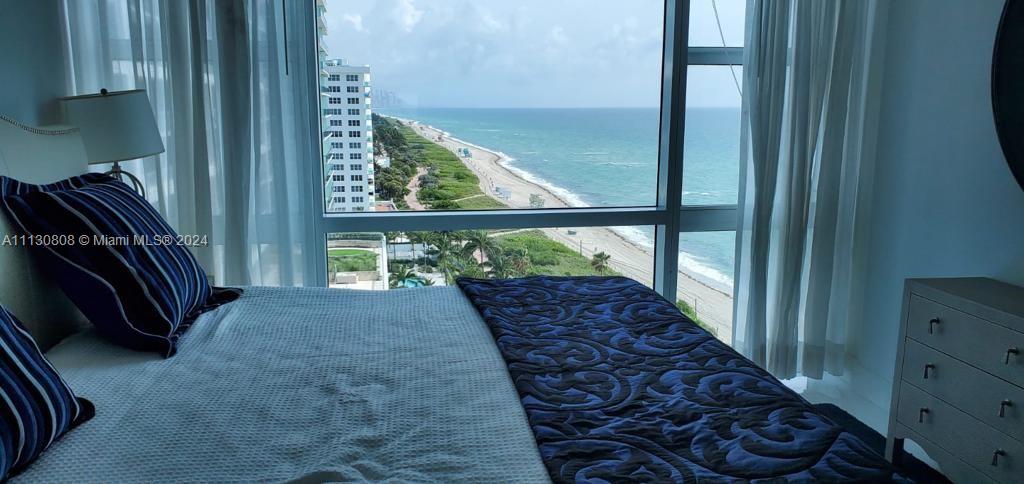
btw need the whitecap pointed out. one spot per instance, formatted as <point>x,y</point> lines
<point>698,268</point>
<point>635,235</point>
<point>567,195</point>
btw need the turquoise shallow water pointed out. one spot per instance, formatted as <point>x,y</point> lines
<point>608,157</point>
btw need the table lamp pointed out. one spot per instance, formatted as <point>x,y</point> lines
<point>115,127</point>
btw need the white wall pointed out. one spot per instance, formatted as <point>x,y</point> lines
<point>945,203</point>
<point>33,70</point>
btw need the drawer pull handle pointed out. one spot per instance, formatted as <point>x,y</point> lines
<point>921,414</point>
<point>1002,407</point>
<point>927,368</point>
<point>1012,351</point>
<point>931,325</point>
<point>995,456</point>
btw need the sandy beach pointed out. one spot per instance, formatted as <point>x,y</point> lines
<point>633,260</point>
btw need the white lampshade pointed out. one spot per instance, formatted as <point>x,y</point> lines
<point>115,126</point>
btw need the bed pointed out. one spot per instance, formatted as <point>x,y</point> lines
<point>307,385</point>
<point>523,380</point>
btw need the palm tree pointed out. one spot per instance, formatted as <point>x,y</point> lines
<point>446,252</point>
<point>459,236</point>
<point>391,239</point>
<point>498,266</point>
<point>474,270</point>
<point>479,241</point>
<point>519,258</point>
<point>600,262</point>
<point>400,274</point>
<point>416,238</point>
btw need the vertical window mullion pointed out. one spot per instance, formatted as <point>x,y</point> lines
<point>670,153</point>
<point>303,26</point>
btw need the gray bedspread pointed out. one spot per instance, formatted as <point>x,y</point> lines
<point>309,385</point>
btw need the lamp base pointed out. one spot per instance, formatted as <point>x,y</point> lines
<point>120,174</point>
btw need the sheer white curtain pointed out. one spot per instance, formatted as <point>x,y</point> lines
<point>232,110</point>
<point>805,181</point>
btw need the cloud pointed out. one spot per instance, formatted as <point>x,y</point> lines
<point>488,24</point>
<point>407,15</point>
<point>555,42</point>
<point>355,19</point>
<point>505,53</point>
<point>557,36</point>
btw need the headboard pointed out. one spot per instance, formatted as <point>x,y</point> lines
<point>37,155</point>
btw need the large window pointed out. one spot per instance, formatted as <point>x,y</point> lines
<point>508,122</point>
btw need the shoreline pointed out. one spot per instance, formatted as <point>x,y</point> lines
<point>631,258</point>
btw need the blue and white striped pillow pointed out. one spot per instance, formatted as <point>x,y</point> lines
<point>140,296</point>
<point>10,186</point>
<point>36,406</point>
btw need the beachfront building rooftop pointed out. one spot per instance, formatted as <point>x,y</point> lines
<point>347,137</point>
<point>358,261</point>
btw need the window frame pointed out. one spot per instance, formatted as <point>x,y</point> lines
<point>669,216</point>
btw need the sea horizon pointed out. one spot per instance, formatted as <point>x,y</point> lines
<point>609,158</point>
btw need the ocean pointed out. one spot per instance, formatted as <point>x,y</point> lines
<point>607,157</point>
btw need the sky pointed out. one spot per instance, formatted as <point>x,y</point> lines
<point>527,53</point>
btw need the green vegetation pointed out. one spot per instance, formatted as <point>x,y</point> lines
<point>691,313</point>
<point>481,202</point>
<point>448,183</point>
<point>391,183</point>
<point>402,274</point>
<point>350,252</point>
<point>448,179</point>
<point>351,260</point>
<point>484,254</point>
<point>548,256</point>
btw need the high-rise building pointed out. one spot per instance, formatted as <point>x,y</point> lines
<point>348,137</point>
<point>347,131</point>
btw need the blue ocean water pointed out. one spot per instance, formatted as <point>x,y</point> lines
<point>608,157</point>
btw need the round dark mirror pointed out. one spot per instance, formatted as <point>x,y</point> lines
<point>1008,86</point>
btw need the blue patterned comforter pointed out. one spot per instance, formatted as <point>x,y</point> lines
<point>619,386</point>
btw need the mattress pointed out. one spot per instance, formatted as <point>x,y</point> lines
<point>304,385</point>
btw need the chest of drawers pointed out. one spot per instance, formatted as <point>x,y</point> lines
<point>958,390</point>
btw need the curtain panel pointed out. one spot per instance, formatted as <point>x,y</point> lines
<point>234,117</point>
<point>805,179</point>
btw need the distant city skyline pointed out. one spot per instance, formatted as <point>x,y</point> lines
<point>528,54</point>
